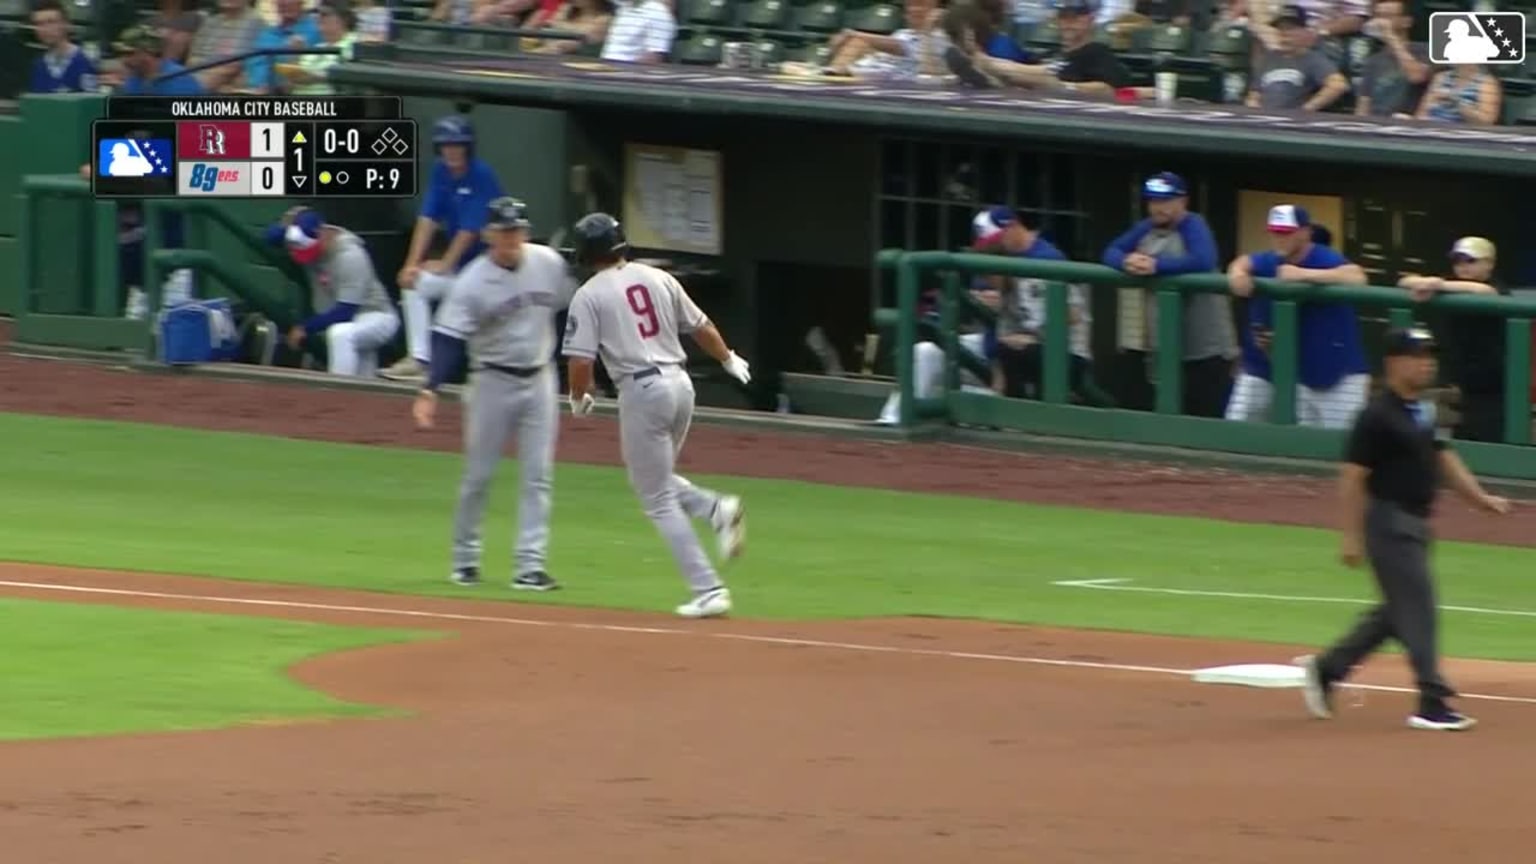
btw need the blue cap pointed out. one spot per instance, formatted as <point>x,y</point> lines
<point>1161,187</point>
<point>1287,219</point>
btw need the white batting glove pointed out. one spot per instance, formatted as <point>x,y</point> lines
<point>583,406</point>
<point>737,368</point>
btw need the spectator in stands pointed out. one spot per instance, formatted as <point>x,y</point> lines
<point>984,22</point>
<point>1295,76</point>
<point>374,22</point>
<point>63,67</point>
<point>995,231</point>
<point>1477,341</point>
<point>916,49</point>
<point>1394,75</point>
<point>178,31</point>
<point>1333,378</point>
<point>337,21</point>
<point>642,31</point>
<point>1083,65</point>
<point>146,69</point>
<point>1170,241</point>
<point>590,18</point>
<point>457,12</point>
<point>295,28</point>
<point>229,32</point>
<point>1465,93</point>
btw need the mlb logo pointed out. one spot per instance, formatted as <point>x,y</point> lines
<point>1496,38</point>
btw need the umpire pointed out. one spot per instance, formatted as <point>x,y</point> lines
<point>1395,459</point>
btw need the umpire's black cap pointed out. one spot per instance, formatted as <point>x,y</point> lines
<point>507,212</point>
<point>598,236</point>
<point>1408,342</point>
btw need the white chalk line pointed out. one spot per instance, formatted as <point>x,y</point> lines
<point>788,641</point>
<point>1124,585</point>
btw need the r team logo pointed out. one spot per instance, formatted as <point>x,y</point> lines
<point>214,178</point>
<point>210,140</point>
<point>1457,38</point>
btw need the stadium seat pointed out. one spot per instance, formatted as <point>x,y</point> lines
<point>701,49</point>
<point>1161,39</point>
<point>1519,102</point>
<point>769,53</point>
<point>409,35</point>
<point>879,18</point>
<point>710,13</point>
<point>815,54</point>
<point>1230,48</point>
<point>820,16</point>
<point>765,15</point>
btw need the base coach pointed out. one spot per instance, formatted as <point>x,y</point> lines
<point>1396,458</point>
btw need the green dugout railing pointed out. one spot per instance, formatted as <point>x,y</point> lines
<point>955,268</point>
<point>90,315</point>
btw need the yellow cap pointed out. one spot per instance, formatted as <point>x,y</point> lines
<point>1476,248</point>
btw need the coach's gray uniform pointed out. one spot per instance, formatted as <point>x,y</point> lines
<point>631,315</point>
<point>507,318</point>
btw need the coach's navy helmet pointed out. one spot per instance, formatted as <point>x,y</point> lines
<point>507,212</point>
<point>598,236</point>
<point>453,129</point>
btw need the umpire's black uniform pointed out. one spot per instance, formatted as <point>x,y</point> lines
<point>1398,443</point>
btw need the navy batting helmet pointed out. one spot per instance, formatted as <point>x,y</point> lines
<point>453,129</point>
<point>507,212</point>
<point>598,236</point>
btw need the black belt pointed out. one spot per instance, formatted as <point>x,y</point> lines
<point>519,371</point>
<point>646,373</point>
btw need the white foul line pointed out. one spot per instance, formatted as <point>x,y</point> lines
<point>1124,585</point>
<point>675,631</point>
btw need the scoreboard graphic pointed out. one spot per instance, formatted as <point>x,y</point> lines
<point>254,147</point>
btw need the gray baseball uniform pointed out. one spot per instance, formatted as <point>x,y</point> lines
<point>631,316</point>
<point>507,319</point>
<point>346,275</point>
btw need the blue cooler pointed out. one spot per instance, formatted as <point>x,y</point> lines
<point>198,331</point>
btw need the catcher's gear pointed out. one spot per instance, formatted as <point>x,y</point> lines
<point>507,212</point>
<point>453,129</point>
<point>598,236</point>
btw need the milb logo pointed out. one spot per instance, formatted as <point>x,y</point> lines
<point>206,177</point>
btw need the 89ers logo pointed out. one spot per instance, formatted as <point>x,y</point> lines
<point>206,178</point>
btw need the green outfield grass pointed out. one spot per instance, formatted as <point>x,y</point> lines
<point>139,497</point>
<point>73,669</point>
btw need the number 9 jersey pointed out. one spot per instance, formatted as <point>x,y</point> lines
<point>630,315</point>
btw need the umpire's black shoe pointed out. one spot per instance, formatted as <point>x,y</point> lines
<point>466,576</point>
<point>538,580</point>
<point>1316,688</point>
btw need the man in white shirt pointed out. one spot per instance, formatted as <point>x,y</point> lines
<point>642,32</point>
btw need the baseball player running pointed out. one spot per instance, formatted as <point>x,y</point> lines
<point>630,314</point>
<point>458,191</point>
<point>501,308</point>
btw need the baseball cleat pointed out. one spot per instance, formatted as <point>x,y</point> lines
<point>730,525</point>
<point>466,576</point>
<point>710,604</point>
<point>1316,690</point>
<point>538,580</point>
<point>408,369</point>
<point>1442,720</point>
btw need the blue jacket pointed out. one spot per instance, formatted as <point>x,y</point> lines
<point>460,203</point>
<point>1328,334</point>
<point>1199,247</point>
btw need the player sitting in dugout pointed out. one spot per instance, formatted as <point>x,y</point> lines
<point>356,316</point>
